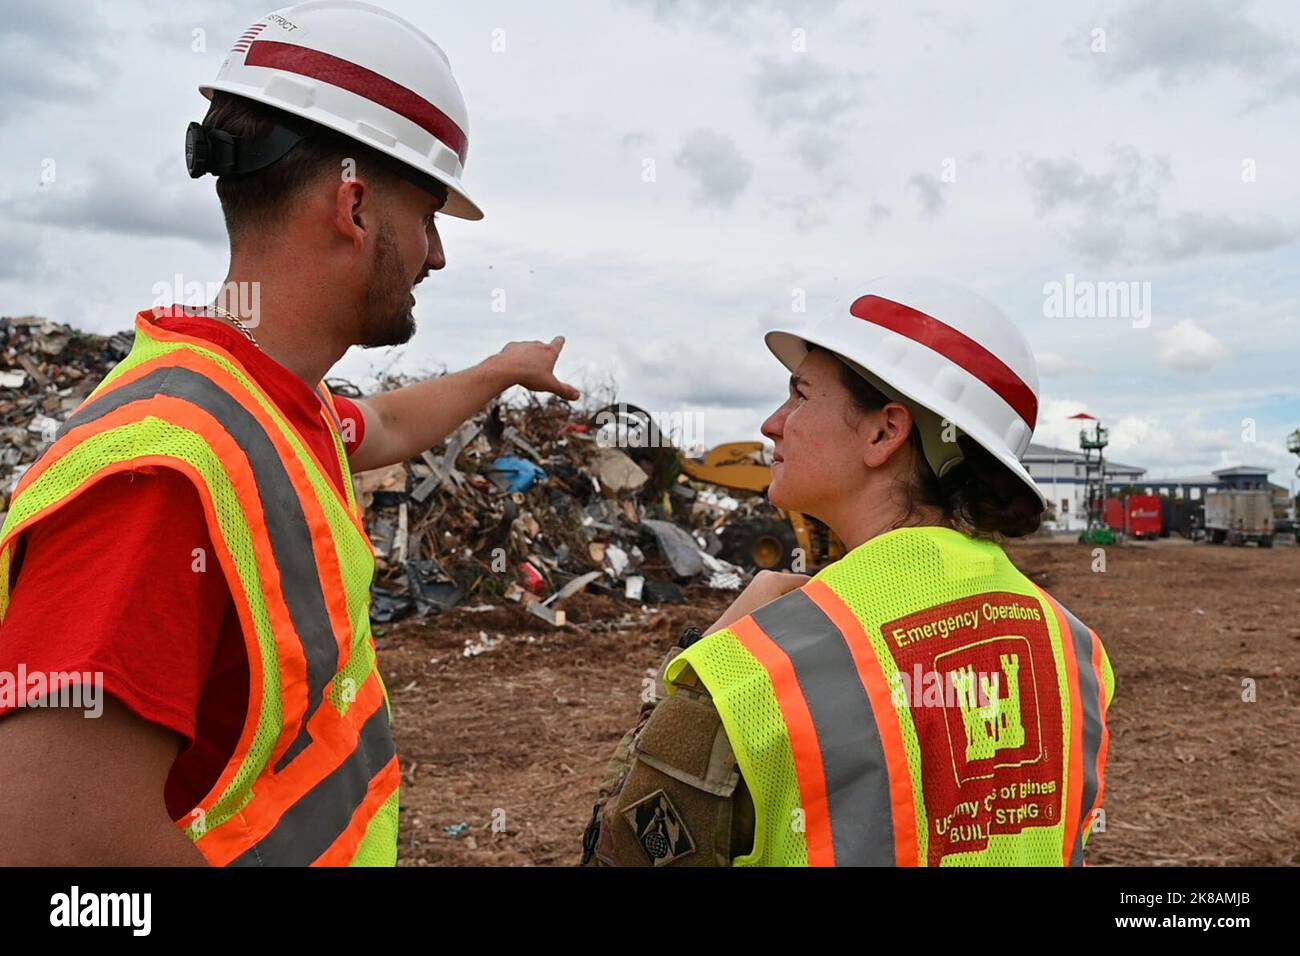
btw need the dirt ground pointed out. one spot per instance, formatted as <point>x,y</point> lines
<point>503,750</point>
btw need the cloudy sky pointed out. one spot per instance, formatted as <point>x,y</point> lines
<point>664,180</point>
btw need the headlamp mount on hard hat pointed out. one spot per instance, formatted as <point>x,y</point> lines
<point>217,152</point>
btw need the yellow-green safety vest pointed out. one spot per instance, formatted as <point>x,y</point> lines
<point>918,702</point>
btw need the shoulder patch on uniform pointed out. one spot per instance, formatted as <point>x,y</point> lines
<point>659,829</point>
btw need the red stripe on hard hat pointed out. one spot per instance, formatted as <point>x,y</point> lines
<point>955,346</point>
<point>357,79</point>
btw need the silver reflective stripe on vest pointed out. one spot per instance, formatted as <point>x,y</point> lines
<point>310,826</point>
<point>857,778</point>
<point>290,537</point>
<point>1091,694</point>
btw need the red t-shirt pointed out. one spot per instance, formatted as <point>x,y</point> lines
<point>109,584</point>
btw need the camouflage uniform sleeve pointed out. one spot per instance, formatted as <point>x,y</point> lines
<point>673,795</point>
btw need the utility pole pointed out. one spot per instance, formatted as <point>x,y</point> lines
<point>1094,472</point>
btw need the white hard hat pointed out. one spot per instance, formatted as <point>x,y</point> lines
<point>365,73</point>
<point>944,352</point>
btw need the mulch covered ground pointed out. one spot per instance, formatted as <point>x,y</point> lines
<point>503,749</point>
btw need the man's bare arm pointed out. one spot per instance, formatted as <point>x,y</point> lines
<point>406,421</point>
<point>78,791</point>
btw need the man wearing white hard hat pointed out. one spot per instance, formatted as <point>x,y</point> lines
<point>919,702</point>
<point>191,541</point>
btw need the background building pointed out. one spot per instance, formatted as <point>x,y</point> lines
<point>1059,473</point>
<point>1238,477</point>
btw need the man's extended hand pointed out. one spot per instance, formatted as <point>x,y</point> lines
<point>405,421</point>
<point>532,365</point>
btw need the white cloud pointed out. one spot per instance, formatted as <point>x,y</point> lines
<point>1194,233</point>
<point>802,90</point>
<point>1181,41</point>
<point>1130,184</point>
<point>1186,347</point>
<point>1053,364</point>
<point>50,51</point>
<point>929,191</point>
<point>122,198</point>
<point>714,161</point>
<point>732,18</point>
<point>1055,427</point>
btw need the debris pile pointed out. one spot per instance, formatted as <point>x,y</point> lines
<point>46,370</point>
<point>533,503</point>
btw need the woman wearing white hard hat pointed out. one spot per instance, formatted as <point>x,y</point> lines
<point>918,702</point>
<point>950,406</point>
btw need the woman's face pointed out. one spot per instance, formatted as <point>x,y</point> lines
<point>819,460</point>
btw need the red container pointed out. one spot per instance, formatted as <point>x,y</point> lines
<point>1115,514</point>
<point>1143,516</point>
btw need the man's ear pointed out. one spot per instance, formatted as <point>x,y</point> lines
<point>354,211</point>
<point>885,431</point>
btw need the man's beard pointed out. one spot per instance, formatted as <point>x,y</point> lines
<point>386,317</point>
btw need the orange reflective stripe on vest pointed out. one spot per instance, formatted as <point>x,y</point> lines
<point>311,825</point>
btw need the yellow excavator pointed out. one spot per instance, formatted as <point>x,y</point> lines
<point>764,542</point>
